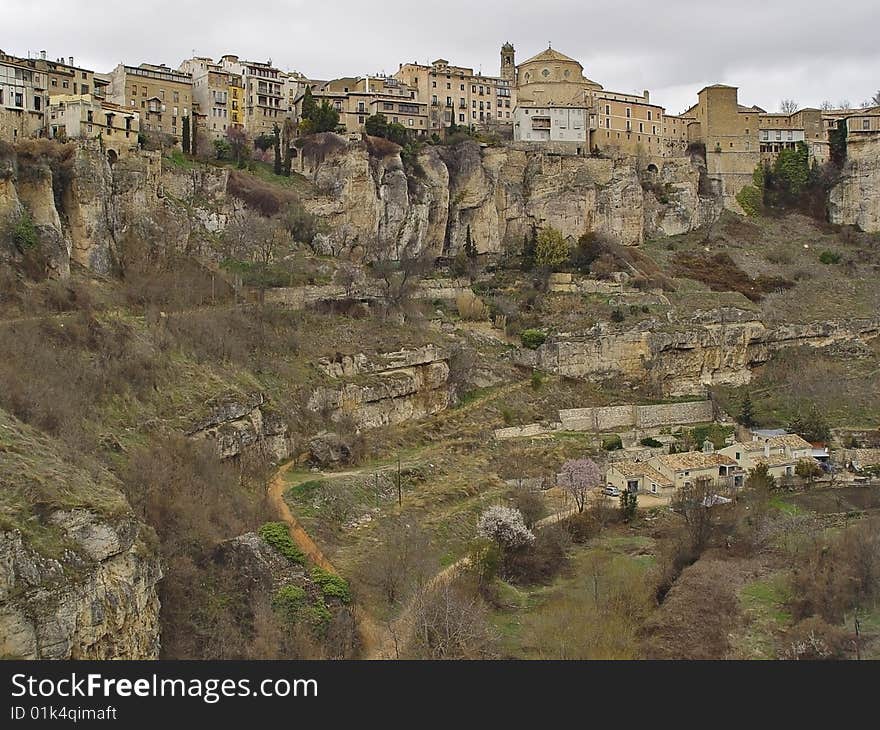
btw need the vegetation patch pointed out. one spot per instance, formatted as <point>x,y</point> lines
<point>277,535</point>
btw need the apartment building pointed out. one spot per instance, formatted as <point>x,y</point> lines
<point>23,98</point>
<point>261,84</point>
<point>457,95</point>
<point>356,98</point>
<point>162,96</point>
<point>85,116</point>
<point>552,124</point>
<point>217,95</point>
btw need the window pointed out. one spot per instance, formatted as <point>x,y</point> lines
<point>607,109</point>
<point>433,84</point>
<point>628,113</point>
<point>649,115</point>
<point>866,124</point>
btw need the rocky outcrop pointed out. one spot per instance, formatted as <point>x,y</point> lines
<point>384,389</point>
<point>239,424</point>
<point>855,200</point>
<point>714,347</point>
<point>85,209</point>
<point>498,194</point>
<point>78,571</point>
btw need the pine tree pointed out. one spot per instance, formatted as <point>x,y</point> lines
<point>276,143</point>
<point>469,247</point>
<point>186,142</point>
<point>746,412</point>
<point>629,503</point>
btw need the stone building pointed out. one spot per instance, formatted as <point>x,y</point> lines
<point>85,116</point>
<point>24,96</point>
<point>217,96</point>
<point>162,96</point>
<point>865,122</point>
<point>356,98</point>
<point>664,474</point>
<point>552,80</point>
<point>781,454</point>
<point>262,84</point>
<point>457,95</point>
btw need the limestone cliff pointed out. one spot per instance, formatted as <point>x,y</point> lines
<point>84,207</point>
<point>497,193</point>
<point>855,200</point>
<point>387,388</point>
<point>78,571</point>
<point>713,348</point>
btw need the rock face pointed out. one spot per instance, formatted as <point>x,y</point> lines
<point>385,389</point>
<point>855,200</point>
<point>238,424</point>
<point>78,572</point>
<point>715,348</point>
<point>84,208</point>
<point>496,193</point>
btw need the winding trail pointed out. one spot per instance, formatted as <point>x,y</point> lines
<point>378,641</point>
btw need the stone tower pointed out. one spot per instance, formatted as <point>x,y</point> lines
<point>508,63</point>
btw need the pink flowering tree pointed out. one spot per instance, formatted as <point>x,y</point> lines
<point>577,477</point>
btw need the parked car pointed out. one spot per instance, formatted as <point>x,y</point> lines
<point>611,491</point>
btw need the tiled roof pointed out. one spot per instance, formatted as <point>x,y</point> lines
<point>630,469</point>
<point>695,460</point>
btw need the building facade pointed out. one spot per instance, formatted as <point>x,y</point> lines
<point>163,97</point>
<point>457,95</point>
<point>87,117</point>
<point>261,84</point>
<point>662,475</point>
<point>23,99</point>
<point>356,98</point>
<point>217,96</point>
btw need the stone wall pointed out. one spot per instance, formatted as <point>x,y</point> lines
<point>628,417</point>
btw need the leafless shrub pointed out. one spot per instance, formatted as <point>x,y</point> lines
<point>471,307</point>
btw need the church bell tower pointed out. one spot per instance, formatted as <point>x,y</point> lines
<point>508,63</point>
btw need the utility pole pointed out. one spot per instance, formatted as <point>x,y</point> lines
<point>399,487</point>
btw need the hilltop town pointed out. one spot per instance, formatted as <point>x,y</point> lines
<point>545,100</point>
<point>389,366</point>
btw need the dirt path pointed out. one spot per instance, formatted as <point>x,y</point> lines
<point>379,641</point>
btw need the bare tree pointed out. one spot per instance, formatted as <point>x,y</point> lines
<point>694,502</point>
<point>403,561</point>
<point>788,106</point>
<point>450,623</point>
<point>577,478</point>
<point>398,272</point>
<point>349,277</point>
<point>876,99</point>
<point>844,104</point>
<point>826,106</point>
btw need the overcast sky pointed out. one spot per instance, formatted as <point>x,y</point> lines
<point>770,49</point>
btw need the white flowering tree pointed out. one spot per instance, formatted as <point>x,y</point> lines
<point>505,526</point>
<point>577,477</point>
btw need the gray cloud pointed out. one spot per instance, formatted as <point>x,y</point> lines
<point>770,49</point>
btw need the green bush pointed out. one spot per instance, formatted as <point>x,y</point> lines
<point>612,443</point>
<point>551,249</point>
<point>24,233</point>
<point>277,535</point>
<point>332,585</point>
<point>653,443</point>
<point>532,339</point>
<point>318,615</point>
<point>829,257</point>
<point>751,200</point>
<point>537,380</point>
<point>289,600</point>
